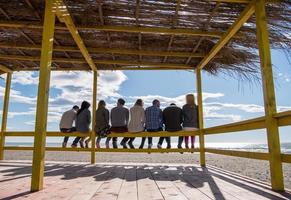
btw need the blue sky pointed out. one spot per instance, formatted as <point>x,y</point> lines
<point>225,99</point>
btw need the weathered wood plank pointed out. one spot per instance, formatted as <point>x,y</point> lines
<point>147,188</point>
<point>129,186</point>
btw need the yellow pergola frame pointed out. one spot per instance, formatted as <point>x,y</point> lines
<point>270,121</point>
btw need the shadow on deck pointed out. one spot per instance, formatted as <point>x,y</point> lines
<point>131,181</point>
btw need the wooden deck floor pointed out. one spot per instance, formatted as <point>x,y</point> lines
<point>133,181</point>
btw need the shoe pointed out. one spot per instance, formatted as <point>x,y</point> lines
<point>97,145</point>
<point>64,145</point>
<point>159,146</point>
<point>81,144</point>
<point>74,145</point>
<point>187,146</point>
<point>131,145</point>
<point>192,147</point>
<point>87,144</point>
<point>150,147</point>
<point>107,145</point>
<point>140,147</point>
<point>124,146</point>
<point>122,143</point>
<point>180,147</point>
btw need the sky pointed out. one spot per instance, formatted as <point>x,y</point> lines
<point>225,99</point>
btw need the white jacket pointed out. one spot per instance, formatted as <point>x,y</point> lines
<point>137,119</point>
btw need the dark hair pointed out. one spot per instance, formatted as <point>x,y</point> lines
<point>121,101</point>
<point>84,105</point>
<point>101,103</point>
<point>155,101</point>
<point>75,107</point>
<point>138,102</point>
<point>172,104</point>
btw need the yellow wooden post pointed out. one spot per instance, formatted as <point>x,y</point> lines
<point>5,114</point>
<point>200,111</point>
<point>93,133</point>
<point>269,97</point>
<point>42,99</point>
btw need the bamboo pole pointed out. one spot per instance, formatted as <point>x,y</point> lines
<point>5,114</point>
<point>42,99</point>
<point>200,112</point>
<point>93,133</point>
<point>269,97</point>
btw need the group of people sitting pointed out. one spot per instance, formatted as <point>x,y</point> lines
<point>133,120</point>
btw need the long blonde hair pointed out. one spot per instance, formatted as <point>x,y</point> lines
<point>190,99</point>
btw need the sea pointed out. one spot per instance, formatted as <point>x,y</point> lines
<point>254,147</point>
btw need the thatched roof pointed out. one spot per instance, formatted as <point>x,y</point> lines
<point>113,50</point>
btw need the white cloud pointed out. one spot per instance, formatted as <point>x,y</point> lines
<point>17,97</point>
<point>25,78</point>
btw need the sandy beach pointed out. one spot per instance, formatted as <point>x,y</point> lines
<point>256,169</point>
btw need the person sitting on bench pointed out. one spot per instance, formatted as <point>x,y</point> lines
<point>66,123</point>
<point>119,120</point>
<point>83,122</point>
<point>172,118</point>
<point>153,123</point>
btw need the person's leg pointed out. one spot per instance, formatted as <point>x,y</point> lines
<point>130,143</point>
<point>123,142</point>
<point>114,142</point>
<point>186,142</point>
<point>75,142</point>
<point>192,141</point>
<point>107,142</point>
<point>98,142</point>
<point>87,142</point>
<point>180,141</point>
<point>160,142</point>
<point>65,141</point>
<point>168,140</point>
<point>150,142</point>
<point>142,143</point>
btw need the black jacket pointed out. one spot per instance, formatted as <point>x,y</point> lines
<point>173,118</point>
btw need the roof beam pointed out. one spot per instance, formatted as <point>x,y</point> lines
<point>65,17</point>
<point>244,1</point>
<point>108,50</point>
<point>5,69</point>
<point>244,16</point>
<point>128,29</point>
<point>107,62</point>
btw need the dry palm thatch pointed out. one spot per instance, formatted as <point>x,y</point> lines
<point>20,46</point>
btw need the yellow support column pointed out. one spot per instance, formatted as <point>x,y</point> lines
<point>42,99</point>
<point>5,114</point>
<point>200,111</point>
<point>93,133</point>
<point>269,97</point>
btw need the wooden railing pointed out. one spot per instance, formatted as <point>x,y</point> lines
<point>283,118</point>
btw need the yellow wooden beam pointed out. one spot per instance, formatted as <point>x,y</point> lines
<point>200,115</point>
<point>109,51</point>
<point>286,158</point>
<point>244,16</point>
<point>5,114</point>
<point>246,125</point>
<point>269,97</point>
<point>108,62</point>
<point>126,29</point>
<point>42,99</point>
<point>283,118</point>
<point>243,154</point>
<point>65,17</point>
<point>93,132</point>
<point>5,69</point>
